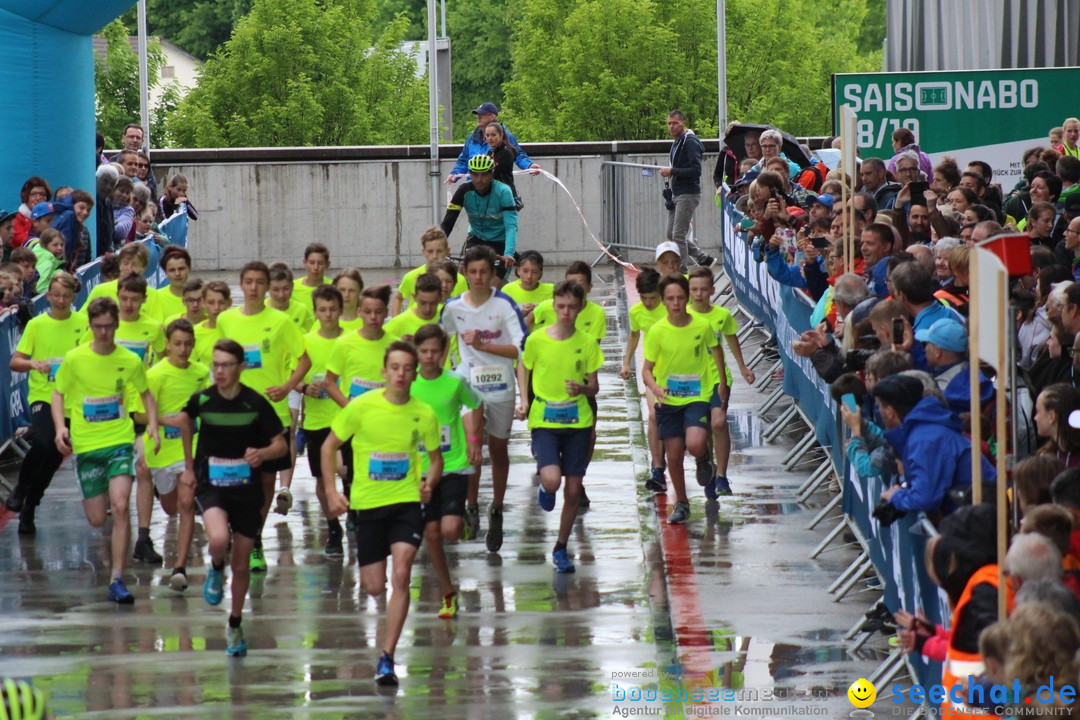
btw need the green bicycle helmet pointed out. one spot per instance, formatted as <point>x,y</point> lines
<point>21,701</point>
<point>481,164</point>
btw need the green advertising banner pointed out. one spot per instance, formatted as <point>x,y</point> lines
<point>990,115</point>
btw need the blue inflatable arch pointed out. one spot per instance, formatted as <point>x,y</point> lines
<point>47,91</point>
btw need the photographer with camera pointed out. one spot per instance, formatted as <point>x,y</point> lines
<point>935,455</point>
<point>682,187</point>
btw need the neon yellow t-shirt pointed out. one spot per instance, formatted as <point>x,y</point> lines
<point>351,325</point>
<point>205,337</point>
<point>94,387</point>
<point>302,293</point>
<point>683,360</point>
<point>723,325</point>
<point>319,412</point>
<point>358,362</point>
<point>151,307</point>
<point>169,304</point>
<point>543,291</point>
<point>553,362</point>
<point>46,338</point>
<point>172,388</point>
<point>642,318</point>
<point>592,320</point>
<point>272,344</point>
<point>386,441</point>
<point>407,286</point>
<point>302,315</point>
<point>407,323</point>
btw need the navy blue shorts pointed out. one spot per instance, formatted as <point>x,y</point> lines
<point>673,420</point>
<point>716,402</point>
<point>566,447</point>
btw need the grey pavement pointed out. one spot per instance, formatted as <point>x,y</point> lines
<point>730,601</point>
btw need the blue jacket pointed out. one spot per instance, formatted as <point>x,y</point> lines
<point>876,278</point>
<point>936,457</point>
<point>475,144</point>
<point>66,223</point>
<point>782,272</point>
<point>958,390</point>
<point>685,159</point>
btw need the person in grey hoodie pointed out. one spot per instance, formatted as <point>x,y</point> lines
<point>685,185</point>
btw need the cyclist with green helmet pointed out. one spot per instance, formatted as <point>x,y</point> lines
<point>492,213</point>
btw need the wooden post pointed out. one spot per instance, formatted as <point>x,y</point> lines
<point>973,354</point>
<point>1002,448</point>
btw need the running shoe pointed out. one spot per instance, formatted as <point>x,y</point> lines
<point>584,503</point>
<point>284,501</point>
<point>334,546</point>
<point>26,521</point>
<point>118,593</point>
<point>471,530</point>
<point>710,491</point>
<point>721,485</point>
<point>213,587</point>
<point>301,441</point>
<point>494,535</point>
<point>14,501</point>
<point>679,514</point>
<point>562,561</point>
<point>384,671</point>
<point>545,499</point>
<point>706,470</point>
<point>656,483</point>
<point>144,552</point>
<point>449,606</point>
<point>178,580</point>
<point>237,645</point>
<point>257,560</point>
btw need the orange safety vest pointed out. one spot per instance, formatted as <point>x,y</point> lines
<point>958,664</point>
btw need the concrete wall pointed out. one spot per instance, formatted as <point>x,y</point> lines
<point>370,211</point>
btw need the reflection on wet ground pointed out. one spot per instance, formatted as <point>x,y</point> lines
<point>527,642</point>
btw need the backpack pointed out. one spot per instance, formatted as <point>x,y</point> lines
<point>813,177</point>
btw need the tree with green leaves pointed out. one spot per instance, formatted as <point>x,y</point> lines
<point>306,72</point>
<point>198,27</point>
<point>116,85</point>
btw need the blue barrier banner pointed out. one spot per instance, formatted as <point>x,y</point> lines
<point>896,551</point>
<point>175,227</point>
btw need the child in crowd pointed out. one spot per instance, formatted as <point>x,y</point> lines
<point>435,247</point>
<point>645,313</point>
<point>527,291</point>
<point>316,261</point>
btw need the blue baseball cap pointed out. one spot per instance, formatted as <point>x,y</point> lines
<point>6,215</point>
<point>486,109</point>
<point>947,334</point>
<point>825,199</point>
<point>41,210</point>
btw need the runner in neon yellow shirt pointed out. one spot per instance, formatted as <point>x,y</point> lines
<point>592,320</point>
<point>316,260</point>
<point>40,353</point>
<point>350,284</point>
<point>275,363</point>
<point>176,264</point>
<point>194,312</point>
<point>425,309</point>
<point>448,394</point>
<point>560,364</point>
<point>527,291</point>
<point>645,313</point>
<point>217,298</point>
<point>133,258</point>
<point>92,381</point>
<point>723,326</point>
<point>319,408</point>
<point>173,381</point>
<point>388,428</point>
<point>435,247</point>
<point>355,364</point>
<point>681,359</point>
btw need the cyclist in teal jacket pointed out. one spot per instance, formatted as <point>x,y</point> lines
<point>492,212</point>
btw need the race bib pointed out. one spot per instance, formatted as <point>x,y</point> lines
<point>54,365</point>
<point>321,378</point>
<point>226,472</point>
<point>489,378</point>
<point>563,413</point>
<point>102,409</point>
<point>359,386</point>
<point>253,357</point>
<point>684,385</point>
<point>388,466</point>
<point>139,347</point>
<point>445,437</point>
<point>172,433</point>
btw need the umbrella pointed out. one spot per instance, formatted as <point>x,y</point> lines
<point>733,142</point>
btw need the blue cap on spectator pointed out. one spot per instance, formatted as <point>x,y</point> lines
<point>6,215</point>
<point>486,109</point>
<point>947,334</point>
<point>41,210</point>
<point>825,199</point>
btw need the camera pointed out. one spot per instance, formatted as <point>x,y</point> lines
<point>887,514</point>
<point>669,201</point>
<point>855,360</point>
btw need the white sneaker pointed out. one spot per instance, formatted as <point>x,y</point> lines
<point>284,501</point>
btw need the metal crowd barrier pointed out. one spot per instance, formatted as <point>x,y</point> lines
<point>889,566</point>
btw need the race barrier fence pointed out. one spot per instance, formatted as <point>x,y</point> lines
<point>892,555</point>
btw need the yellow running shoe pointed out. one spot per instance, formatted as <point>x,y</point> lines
<point>449,606</point>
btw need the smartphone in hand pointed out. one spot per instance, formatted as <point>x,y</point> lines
<point>898,331</point>
<point>849,400</point>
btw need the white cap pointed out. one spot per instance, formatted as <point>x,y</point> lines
<point>668,246</point>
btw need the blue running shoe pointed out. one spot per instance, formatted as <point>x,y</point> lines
<point>236,645</point>
<point>118,593</point>
<point>545,499</point>
<point>213,587</point>
<point>562,562</point>
<point>722,486</point>
<point>710,491</point>
<point>384,671</point>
